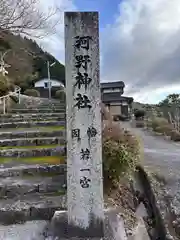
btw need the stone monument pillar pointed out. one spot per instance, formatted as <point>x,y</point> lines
<point>84,146</point>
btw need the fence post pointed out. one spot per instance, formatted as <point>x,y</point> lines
<point>4,105</point>
<point>19,97</point>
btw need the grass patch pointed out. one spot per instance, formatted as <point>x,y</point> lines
<point>48,128</point>
<point>32,147</point>
<point>36,160</point>
<point>60,192</point>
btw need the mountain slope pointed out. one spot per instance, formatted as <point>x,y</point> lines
<point>28,61</point>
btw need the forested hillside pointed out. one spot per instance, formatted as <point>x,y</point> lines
<point>28,61</point>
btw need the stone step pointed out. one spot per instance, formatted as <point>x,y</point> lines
<point>32,170</point>
<point>30,207</point>
<point>10,161</point>
<point>33,151</point>
<point>32,141</point>
<point>37,110</point>
<point>59,106</point>
<point>28,115</point>
<point>41,105</point>
<point>29,118</point>
<point>31,133</point>
<point>27,124</point>
<point>13,187</point>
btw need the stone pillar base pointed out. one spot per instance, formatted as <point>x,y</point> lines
<point>111,229</point>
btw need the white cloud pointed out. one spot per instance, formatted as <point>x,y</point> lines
<point>142,48</point>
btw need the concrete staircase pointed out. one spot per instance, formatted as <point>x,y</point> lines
<point>32,161</point>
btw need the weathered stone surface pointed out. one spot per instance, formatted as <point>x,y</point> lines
<point>33,170</point>
<point>39,152</point>
<point>32,133</point>
<point>28,102</point>
<point>60,229</point>
<point>32,141</point>
<point>31,230</point>
<point>30,118</point>
<point>36,110</point>
<point>17,187</point>
<point>84,180</point>
<point>31,115</point>
<point>28,209</point>
<point>26,124</point>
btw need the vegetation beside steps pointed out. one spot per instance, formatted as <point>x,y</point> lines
<point>32,159</point>
<point>35,160</point>
<point>33,144</point>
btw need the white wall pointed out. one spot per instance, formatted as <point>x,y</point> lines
<point>54,83</point>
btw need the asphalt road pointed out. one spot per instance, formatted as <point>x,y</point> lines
<point>160,155</point>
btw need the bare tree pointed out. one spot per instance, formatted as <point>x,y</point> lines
<point>25,17</point>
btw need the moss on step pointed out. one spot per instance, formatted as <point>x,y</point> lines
<point>57,193</point>
<point>36,160</point>
<point>51,128</point>
<point>32,147</point>
<point>38,128</point>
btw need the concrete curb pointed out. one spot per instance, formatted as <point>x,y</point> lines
<point>32,134</point>
<point>39,152</point>
<point>32,141</point>
<point>155,208</point>
<point>33,170</point>
<point>37,110</point>
<point>28,124</point>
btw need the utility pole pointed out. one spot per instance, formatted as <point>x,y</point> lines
<point>49,77</point>
<point>49,80</point>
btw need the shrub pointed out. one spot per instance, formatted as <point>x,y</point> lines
<point>139,113</point>
<point>5,85</point>
<point>32,93</point>
<point>165,129</point>
<point>161,125</point>
<point>60,94</point>
<point>105,113</point>
<point>121,153</point>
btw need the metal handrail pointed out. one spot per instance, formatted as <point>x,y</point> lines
<point>3,98</point>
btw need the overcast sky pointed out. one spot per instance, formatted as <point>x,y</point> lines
<point>140,43</point>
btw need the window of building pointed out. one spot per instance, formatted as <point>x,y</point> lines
<point>116,90</point>
<point>109,90</point>
<point>46,84</point>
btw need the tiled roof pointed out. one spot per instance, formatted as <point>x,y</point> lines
<point>115,97</point>
<point>113,84</point>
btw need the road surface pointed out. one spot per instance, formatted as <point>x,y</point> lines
<point>160,155</point>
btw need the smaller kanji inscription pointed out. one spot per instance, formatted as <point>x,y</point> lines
<point>85,154</point>
<point>82,101</point>
<point>76,133</point>
<point>91,132</point>
<point>82,42</point>
<point>84,182</point>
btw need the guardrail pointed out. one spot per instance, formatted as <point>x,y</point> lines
<point>3,99</point>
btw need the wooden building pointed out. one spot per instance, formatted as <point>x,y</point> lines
<point>117,104</point>
<point>42,86</point>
